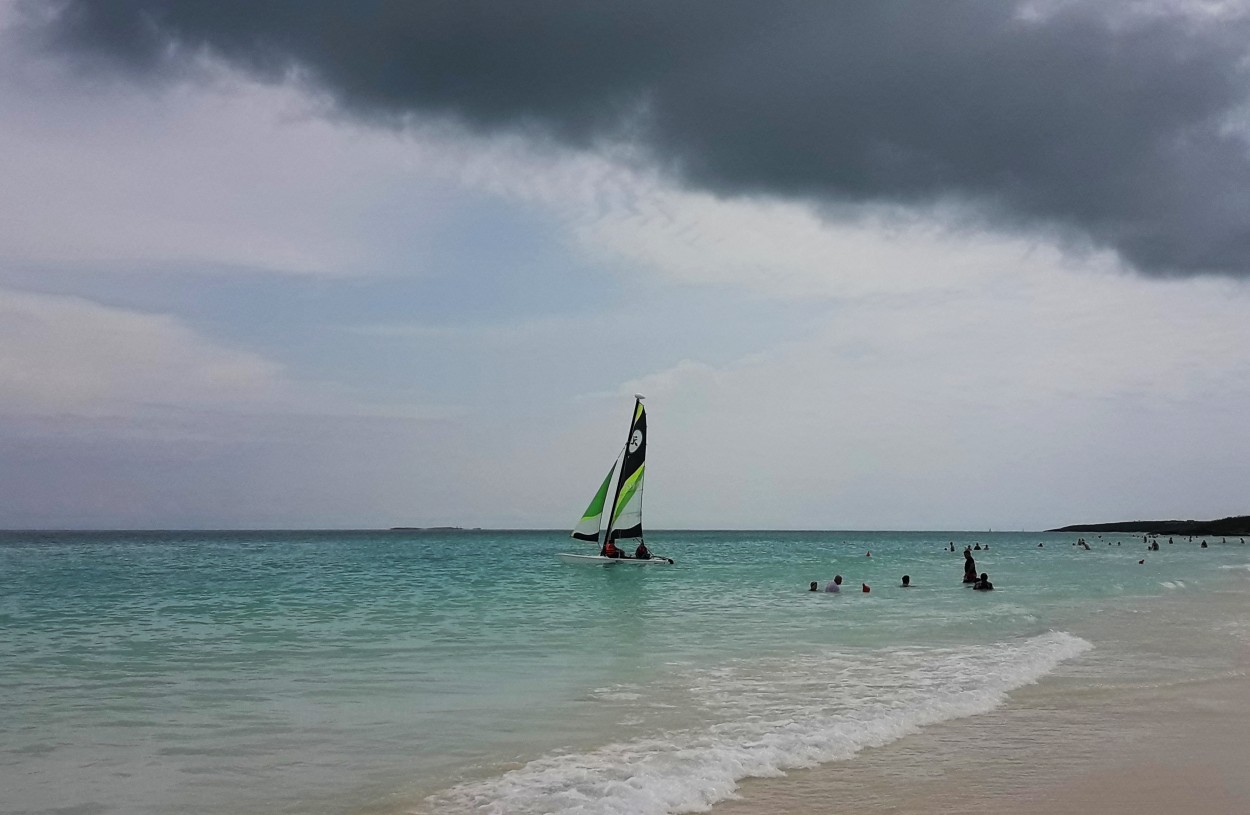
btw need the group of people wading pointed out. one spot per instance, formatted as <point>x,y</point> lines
<point>610,549</point>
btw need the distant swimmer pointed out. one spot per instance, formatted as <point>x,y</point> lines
<point>814,586</point>
<point>1204,544</point>
<point>952,546</point>
<point>977,548</point>
<point>1140,562</point>
<point>1040,545</point>
<point>907,581</point>
<point>868,554</point>
<point>983,584</point>
<point>866,588</point>
<point>834,585</point>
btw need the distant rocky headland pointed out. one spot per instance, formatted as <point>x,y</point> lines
<point>1236,525</point>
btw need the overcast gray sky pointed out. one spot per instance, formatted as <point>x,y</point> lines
<point>877,265</point>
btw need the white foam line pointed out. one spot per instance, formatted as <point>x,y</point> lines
<point>688,771</point>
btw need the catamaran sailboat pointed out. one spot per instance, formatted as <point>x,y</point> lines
<point>625,516</point>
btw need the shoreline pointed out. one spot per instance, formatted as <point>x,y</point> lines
<point>1175,755</point>
<point>1072,742</point>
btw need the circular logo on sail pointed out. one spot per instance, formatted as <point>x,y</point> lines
<point>635,441</point>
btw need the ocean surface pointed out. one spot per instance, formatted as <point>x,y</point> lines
<point>188,673</point>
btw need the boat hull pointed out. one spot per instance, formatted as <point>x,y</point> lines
<point>599,560</point>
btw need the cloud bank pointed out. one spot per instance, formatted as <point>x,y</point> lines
<point>1119,127</point>
<point>69,355</point>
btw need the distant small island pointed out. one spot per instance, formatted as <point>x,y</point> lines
<point>434,529</point>
<point>1236,525</point>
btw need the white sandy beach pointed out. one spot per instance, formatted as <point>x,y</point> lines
<point>1064,745</point>
<point>1182,750</point>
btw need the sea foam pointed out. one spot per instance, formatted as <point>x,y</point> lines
<point>764,717</point>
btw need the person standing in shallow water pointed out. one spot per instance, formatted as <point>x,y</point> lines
<point>970,567</point>
<point>834,585</point>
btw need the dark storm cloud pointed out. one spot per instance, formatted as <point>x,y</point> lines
<point>1122,130</point>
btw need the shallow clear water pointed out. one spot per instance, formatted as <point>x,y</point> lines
<point>332,672</point>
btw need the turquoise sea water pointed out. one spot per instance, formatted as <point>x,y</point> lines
<point>387,672</point>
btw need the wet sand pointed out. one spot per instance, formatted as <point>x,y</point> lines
<point>1075,742</point>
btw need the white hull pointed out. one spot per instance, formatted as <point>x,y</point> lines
<point>598,560</point>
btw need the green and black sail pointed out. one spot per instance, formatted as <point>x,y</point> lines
<point>625,520</point>
<point>587,528</point>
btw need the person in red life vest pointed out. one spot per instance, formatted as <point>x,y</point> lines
<point>610,550</point>
<point>867,588</point>
<point>642,552</point>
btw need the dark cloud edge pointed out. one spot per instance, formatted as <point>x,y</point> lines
<point>1154,173</point>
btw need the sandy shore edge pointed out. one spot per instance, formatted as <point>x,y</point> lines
<point>1156,752</point>
<point>1069,743</point>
